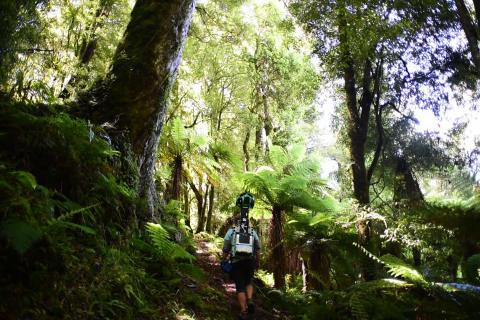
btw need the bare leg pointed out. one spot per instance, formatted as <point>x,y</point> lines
<point>242,301</point>
<point>250,304</point>
<point>249,292</point>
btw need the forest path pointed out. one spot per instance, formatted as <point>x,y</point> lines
<point>220,281</point>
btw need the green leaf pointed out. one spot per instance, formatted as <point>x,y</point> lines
<point>80,227</point>
<point>319,218</point>
<point>25,178</point>
<point>20,234</point>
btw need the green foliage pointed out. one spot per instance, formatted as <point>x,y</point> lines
<point>21,235</point>
<point>398,268</point>
<point>69,241</point>
<point>289,182</point>
<point>472,274</point>
<point>53,49</point>
<point>167,248</point>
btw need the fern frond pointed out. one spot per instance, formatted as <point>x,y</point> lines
<point>200,141</point>
<point>177,131</point>
<point>367,253</point>
<point>296,153</point>
<point>320,218</point>
<point>357,305</point>
<point>399,268</point>
<point>25,178</point>
<point>167,248</point>
<point>278,157</point>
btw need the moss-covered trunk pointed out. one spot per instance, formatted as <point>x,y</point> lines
<point>135,93</point>
<point>407,194</point>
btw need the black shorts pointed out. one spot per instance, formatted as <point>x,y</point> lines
<point>242,273</point>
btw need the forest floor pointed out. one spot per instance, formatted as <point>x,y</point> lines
<point>208,261</point>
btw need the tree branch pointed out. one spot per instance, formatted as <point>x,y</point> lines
<point>392,105</point>
<point>471,32</point>
<point>476,5</point>
<point>367,96</point>
<point>194,121</point>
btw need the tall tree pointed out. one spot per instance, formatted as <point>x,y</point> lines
<point>134,95</point>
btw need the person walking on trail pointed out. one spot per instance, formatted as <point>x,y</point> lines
<point>241,246</point>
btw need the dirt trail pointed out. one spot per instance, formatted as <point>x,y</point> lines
<point>219,280</point>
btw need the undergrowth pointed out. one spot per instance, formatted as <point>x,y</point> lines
<point>69,242</point>
<point>406,296</point>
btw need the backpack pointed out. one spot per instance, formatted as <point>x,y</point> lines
<point>242,242</point>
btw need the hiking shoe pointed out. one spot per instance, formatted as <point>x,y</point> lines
<point>250,307</point>
<point>242,316</point>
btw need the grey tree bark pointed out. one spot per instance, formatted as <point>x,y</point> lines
<point>134,95</point>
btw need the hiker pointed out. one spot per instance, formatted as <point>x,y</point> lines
<point>241,246</point>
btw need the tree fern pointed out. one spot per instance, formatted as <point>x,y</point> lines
<point>166,247</point>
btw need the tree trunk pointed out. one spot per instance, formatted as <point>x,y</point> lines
<point>210,209</point>
<point>471,30</point>
<point>304,276</point>
<point>358,118</point>
<point>406,187</point>
<point>407,192</point>
<point>186,208</point>
<point>417,257</point>
<point>134,94</point>
<point>200,206</point>
<point>175,184</point>
<point>260,138</point>
<point>246,160</point>
<point>278,250</point>
<point>318,276</point>
<point>203,217</point>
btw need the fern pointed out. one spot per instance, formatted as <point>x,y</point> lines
<point>399,268</point>
<point>177,132</point>
<point>368,298</point>
<point>167,248</point>
<point>278,157</point>
<point>25,178</point>
<point>368,253</point>
<point>396,267</point>
<point>357,305</point>
<point>22,234</point>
